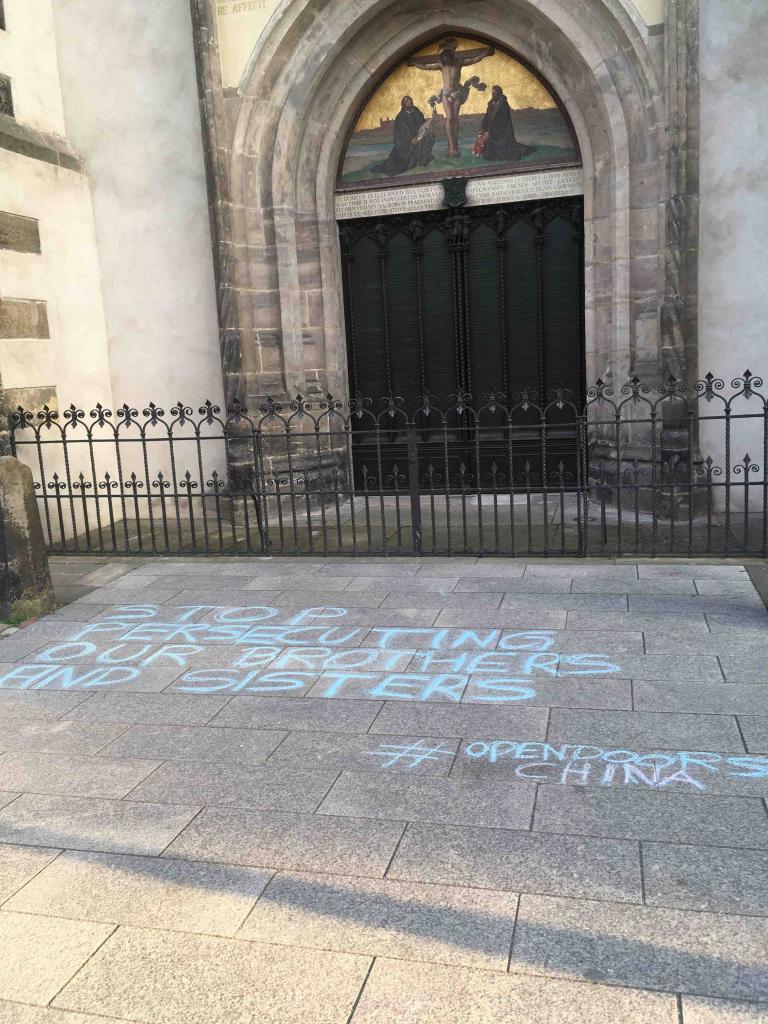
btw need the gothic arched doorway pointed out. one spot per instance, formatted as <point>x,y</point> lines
<point>464,276</point>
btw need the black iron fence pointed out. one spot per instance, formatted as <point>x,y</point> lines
<point>635,470</point>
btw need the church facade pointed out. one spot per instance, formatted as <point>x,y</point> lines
<point>180,182</point>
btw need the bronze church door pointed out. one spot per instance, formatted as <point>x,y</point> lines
<point>478,301</point>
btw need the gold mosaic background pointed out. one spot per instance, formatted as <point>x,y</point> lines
<point>522,88</point>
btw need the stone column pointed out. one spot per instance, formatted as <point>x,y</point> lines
<point>679,317</point>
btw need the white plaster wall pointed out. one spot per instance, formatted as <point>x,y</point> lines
<point>651,11</point>
<point>65,275</point>
<point>733,308</point>
<point>28,58</point>
<point>130,100</point>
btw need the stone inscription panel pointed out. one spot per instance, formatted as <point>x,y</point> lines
<point>568,181</point>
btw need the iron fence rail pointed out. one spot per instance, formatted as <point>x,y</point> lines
<point>634,470</point>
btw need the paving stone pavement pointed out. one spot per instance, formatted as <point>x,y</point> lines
<point>367,791</point>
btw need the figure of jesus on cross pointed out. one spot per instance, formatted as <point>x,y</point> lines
<point>450,60</point>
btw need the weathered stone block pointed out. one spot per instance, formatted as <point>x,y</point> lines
<point>24,318</point>
<point>25,585</point>
<point>19,234</point>
<point>6,96</point>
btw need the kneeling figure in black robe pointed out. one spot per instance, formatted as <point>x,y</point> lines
<point>409,151</point>
<point>500,141</point>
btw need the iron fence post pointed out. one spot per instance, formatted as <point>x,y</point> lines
<point>413,485</point>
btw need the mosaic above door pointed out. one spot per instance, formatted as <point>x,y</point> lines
<point>458,106</point>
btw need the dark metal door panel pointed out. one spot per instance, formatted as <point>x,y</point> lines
<point>476,302</point>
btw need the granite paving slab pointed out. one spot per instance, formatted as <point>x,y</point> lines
<point>147,709</point>
<point>580,641</point>
<point>486,602</point>
<point>637,587</point>
<point>38,706</point>
<point>12,649</point>
<point>163,977</point>
<point>107,573</point>
<point>681,622</point>
<point>598,601</point>
<point>414,993</point>
<point>634,814</point>
<point>749,603</point>
<point>154,892</point>
<point>484,802</point>
<point>754,729</point>
<point>467,720</point>
<point>470,583</point>
<point>407,921</point>
<point>520,861</point>
<point>121,593</point>
<point>737,622</point>
<point>403,585</point>
<point>364,568</point>
<point>581,570</point>
<point>724,588</point>
<point>277,789</point>
<point>670,950</point>
<point>46,630</point>
<point>213,582</point>
<point>706,697</point>
<point>289,713</point>
<point>17,1013</point>
<point>295,581</point>
<point>38,955</point>
<point>741,667</point>
<point>511,618</point>
<point>369,598</point>
<point>412,755</point>
<point>108,826</point>
<point>479,568</point>
<point>180,566</point>
<point>643,729</point>
<point>693,569</point>
<point>59,737</point>
<point>746,644</point>
<point>704,878</point>
<point>19,864</point>
<point>697,1010</point>
<point>389,617</point>
<point>302,842</point>
<point>565,691</point>
<point>196,743</point>
<point>73,774</point>
<point>704,668</point>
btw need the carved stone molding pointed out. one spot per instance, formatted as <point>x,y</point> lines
<point>273,145</point>
<point>679,319</point>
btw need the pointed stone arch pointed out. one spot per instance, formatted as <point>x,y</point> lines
<point>279,143</point>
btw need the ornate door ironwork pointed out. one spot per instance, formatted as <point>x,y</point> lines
<point>457,306</point>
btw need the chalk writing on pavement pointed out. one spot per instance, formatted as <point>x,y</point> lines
<point>410,755</point>
<point>311,648</point>
<point>583,764</point>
